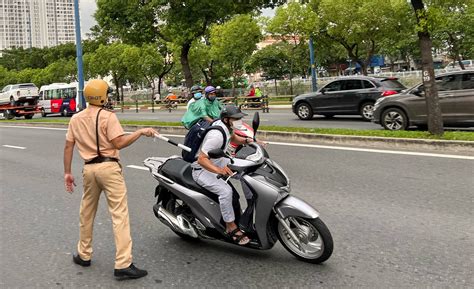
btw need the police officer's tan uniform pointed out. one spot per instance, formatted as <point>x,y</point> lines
<point>99,136</point>
<point>105,176</point>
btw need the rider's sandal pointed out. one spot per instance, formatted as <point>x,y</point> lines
<point>238,239</point>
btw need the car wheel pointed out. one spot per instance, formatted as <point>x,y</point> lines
<point>8,114</point>
<point>367,111</point>
<point>64,112</point>
<point>12,101</point>
<point>328,115</point>
<point>304,111</point>
<point>43,113</point>
<point>394,119</point>
<point>29,116</point>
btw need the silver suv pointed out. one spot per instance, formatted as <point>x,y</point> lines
<point>456,99</point>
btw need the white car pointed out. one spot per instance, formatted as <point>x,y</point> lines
<point>16,94</point>
<point>454,65</point>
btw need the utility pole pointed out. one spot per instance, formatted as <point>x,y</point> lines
<point>313,66</point>
<point>80,76</point>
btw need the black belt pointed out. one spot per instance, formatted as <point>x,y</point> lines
<point>196,169</point>
<point>98,160</point>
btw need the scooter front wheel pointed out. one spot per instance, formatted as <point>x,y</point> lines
<point>307,239</point>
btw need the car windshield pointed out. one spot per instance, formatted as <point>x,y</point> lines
<point>392,84</point>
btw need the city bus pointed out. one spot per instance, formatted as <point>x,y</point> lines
<point>59,98</point>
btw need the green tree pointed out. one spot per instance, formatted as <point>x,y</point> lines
<point>294,23</point>
<point>451,23</point>
<point>359,25</point>
<point>178,21</point>
<point>233,42</point>
<point>153,65</point>
<point>272,60</point>
<point>109,60</point>
<point>6,76</point>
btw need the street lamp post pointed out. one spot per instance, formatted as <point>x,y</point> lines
<point>80,76</point>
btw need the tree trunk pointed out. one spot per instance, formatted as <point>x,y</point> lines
<point>160,78</point>
<point>206,76</point>
<point>276,87</point>
<point>121,95</point>
<point>233,87</point>
<point>455,50</point>
<point>185,64</point>
<point>291,70</point>
<point>117,92</point>
<point>435,121</point>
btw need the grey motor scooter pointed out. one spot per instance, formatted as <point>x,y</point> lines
<point>273,214</point>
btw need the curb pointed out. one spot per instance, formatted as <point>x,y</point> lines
<point>308,138</point>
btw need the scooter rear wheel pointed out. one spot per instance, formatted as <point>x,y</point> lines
<point>315,240</point>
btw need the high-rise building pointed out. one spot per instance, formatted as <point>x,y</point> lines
<point>36,23</point>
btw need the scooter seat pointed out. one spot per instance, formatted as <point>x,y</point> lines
<point>180,171</point>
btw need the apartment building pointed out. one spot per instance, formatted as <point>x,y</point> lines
<point>36,23</point>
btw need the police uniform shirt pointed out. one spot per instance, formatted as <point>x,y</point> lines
<point>82,131</point>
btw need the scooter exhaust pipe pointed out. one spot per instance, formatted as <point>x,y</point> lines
<point>178,223</point>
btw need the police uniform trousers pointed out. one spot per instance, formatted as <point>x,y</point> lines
<point>106,177</point>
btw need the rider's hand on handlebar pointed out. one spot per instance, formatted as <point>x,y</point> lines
<point>226,171</point>
<point>262,143</point>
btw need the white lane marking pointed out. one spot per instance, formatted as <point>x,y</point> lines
<point>138,167</point>
<point>14,147</point>
<point>65,129</point>
<point>380,151</point>
<point>34,127</point>
<point>375,151</point>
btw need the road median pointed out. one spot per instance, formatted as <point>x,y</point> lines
<point>460,146</point>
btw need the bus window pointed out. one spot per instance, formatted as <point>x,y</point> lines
<point>55,93</point>
<point>40,96</point>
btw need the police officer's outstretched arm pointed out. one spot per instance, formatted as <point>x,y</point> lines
<point>123,141</point>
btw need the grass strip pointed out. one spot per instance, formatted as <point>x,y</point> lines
<point>448,135</point>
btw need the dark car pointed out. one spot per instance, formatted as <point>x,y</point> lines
<point>346,96</point>
<point>456,100</point>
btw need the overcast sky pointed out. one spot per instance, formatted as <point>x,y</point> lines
<point>88,8</point>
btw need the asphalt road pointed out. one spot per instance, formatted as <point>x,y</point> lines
<point>398,221</point>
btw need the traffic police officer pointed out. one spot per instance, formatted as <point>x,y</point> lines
<point>99,137</point>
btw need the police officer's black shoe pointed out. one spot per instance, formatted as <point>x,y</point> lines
<point>131,272</point>
<point>77,259</point>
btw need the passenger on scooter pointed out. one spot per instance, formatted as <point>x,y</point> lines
<point>196,92</point>
<point>206,170</point>
<point>206,109</point>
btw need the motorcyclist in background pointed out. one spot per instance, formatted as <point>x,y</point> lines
<point>206,109</point>
<point>196,94</point>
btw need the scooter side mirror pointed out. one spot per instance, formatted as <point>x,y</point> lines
<point>255,123</point>
<point>216,153</point>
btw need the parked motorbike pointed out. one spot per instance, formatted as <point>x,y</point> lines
<point>273,214</point>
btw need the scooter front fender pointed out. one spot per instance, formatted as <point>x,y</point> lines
<point>295,207</point>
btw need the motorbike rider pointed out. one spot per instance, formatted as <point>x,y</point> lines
<point>196,92</point>
<point>206,170</point>
<point>99,136</point>
<point>207,109</point>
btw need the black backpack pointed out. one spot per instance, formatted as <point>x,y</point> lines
<point>195,136</point>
